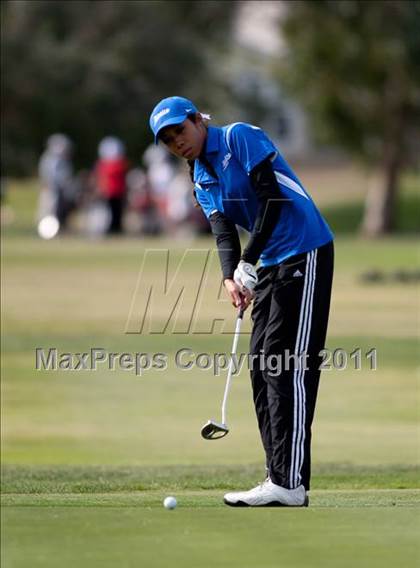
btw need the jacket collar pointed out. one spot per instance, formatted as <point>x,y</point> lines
<point>212,142</point>
<point>201,172</point>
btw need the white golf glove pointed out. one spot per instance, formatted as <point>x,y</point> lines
<point>245,276</point>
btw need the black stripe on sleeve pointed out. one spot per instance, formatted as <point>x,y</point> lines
<point>269,209</point>
<point>228,244</point>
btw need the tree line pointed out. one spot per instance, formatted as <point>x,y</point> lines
<point>92,67</point>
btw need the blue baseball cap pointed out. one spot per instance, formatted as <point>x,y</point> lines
<point>172,110</point>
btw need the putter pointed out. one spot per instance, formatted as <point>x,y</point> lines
<point>213,430</point>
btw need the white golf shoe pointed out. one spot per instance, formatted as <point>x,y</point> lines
<point>268,494</point>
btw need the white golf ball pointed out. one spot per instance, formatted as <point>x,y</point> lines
<point>169,503</point>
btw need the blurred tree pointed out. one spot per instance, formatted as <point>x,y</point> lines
<point>92,68</point>
<point>355,66</point>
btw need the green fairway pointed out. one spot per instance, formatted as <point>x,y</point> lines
<point>88,456</point>
<point>133,530</point>
<point>105,517</point>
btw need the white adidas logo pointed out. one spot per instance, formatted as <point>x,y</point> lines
<point>225,162</point>
<point>297,273</point>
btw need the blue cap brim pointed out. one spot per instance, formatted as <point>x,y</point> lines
<point>170,122</point>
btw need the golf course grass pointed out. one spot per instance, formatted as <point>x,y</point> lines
<point>88,456</point>
<point>378,528</point>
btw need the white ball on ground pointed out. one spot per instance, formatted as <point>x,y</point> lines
<point>169,502</point>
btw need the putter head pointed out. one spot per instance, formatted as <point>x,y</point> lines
<point>214,430</point>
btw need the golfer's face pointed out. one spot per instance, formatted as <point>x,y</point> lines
<point>184,140</point>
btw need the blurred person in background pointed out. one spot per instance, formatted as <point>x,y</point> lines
<point>180,205</point>
<point>160,171</point>
<point>59,190</point>
<point>145,218</point>
<point>110,179</point>
<point>170,190</point>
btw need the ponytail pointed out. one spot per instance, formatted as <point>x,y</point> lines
<point>204,117</point>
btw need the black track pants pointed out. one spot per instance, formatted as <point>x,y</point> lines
<point>290,318</point>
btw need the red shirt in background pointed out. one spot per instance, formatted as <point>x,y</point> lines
<point>110,177</point>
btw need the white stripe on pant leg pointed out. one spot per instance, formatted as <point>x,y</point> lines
<point>308,337</point>
<point>295,389</point>
<point>298,375</point>
<point>302,433</point>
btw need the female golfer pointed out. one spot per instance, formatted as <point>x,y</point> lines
<point>240,178</point>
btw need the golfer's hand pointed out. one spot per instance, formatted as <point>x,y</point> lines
<point>237,296</point>
<point>245,276</point>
